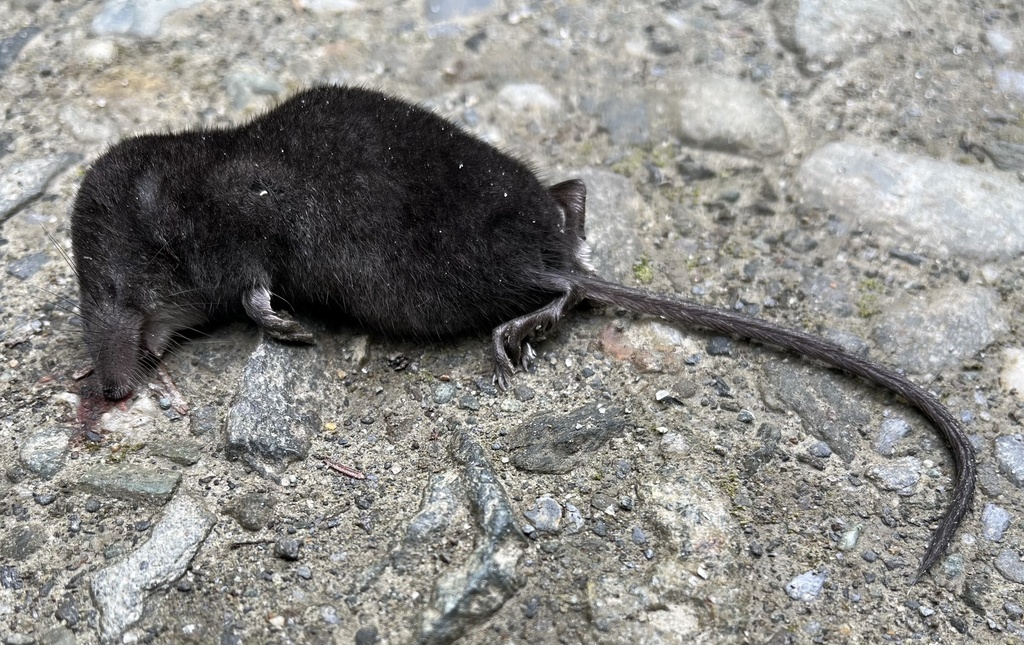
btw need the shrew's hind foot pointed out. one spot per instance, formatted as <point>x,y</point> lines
<point>257,304</point>
<point>510,340</point>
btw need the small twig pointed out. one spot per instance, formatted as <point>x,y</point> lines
<point>238,545</point>
<point>344,470</point>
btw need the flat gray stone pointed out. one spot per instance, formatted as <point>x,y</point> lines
<point>43,451</point>
<point>243,86</point>
<point>1009,564</point>
<point>900,475</point>
<point>826,408</point>
<point>1010,458</point>
<point>480,586</point>
<point>926,335</point>
<point>807,586</point>
<point>20,183</point>
<point>730,115</point>
<point>28,265</point>
<point>890,432</point>
<point>120,590</point>
<point>274,415</point>
<point>557,442</point>
<point>132,482</point>
<point>826,32</point>
<point>936,207</point>
<point>440,503</point>
<point>88,126</point>
<point>994,522</point>
<point>626,121</point>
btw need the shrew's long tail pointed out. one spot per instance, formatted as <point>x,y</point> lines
<point>726,322</point>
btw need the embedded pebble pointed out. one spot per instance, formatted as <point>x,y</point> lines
<point>139,18</point>
<point>87,126</point>
<point>574,521</point>
<point>806,586</point>
<point>848,541</point>
<point>287,549</point>
<point>528,97</point>
<point>445,10</point>
<point>821,403</point>
<point>22,541</point>
<point>1009,564</point>
<point>487,579</point>
<point>960,320</point>
<point>730,115</point>
<point>27,266</point>
<point>440,503</point>
<point>444,393</point>
<point>545,515</point>
<point>1010,81</point>
<point>689,515</point>
<point>928,205</point>
<point>819,449</point>
<point>243,86</point>
<point>100,51</point>
<point>994,522</point>
<point>252,511</point>
<point>1005,155</point>
<point>829,32</point>
<point>180,451</point>
<point>1010,458</point>
<point>719,346</point>
<point>43,451</point>
<point>900,475</point>
<point>1011,378</point>
<point>674,443</point>
<point>1001,44</point>
<point>556,442</point>
<point>889,433</point>
<point>626,121</point>
<point>120,590</point>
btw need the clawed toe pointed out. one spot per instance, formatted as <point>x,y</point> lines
<point>528,357</point>
<point>290,331</point>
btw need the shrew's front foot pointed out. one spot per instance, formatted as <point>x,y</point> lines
<point>257,305</point>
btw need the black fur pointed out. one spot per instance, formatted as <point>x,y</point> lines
<point>385,213</point>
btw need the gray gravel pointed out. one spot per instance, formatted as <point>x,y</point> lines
<point>852,168</point>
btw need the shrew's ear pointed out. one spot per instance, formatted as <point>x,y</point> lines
<point>571,195</point>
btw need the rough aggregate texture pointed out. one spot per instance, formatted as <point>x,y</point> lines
<point>851,168</point>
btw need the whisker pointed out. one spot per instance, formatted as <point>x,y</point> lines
<point>60,249</point>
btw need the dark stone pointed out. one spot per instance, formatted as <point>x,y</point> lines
<point>557,443</point>
<point>489,576</point>
<point>252,511</point>
<point>287,549</point>
<point>831,413</point>
<point>10,578</point>
<point>367,636</point>
<point>20,542</point>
